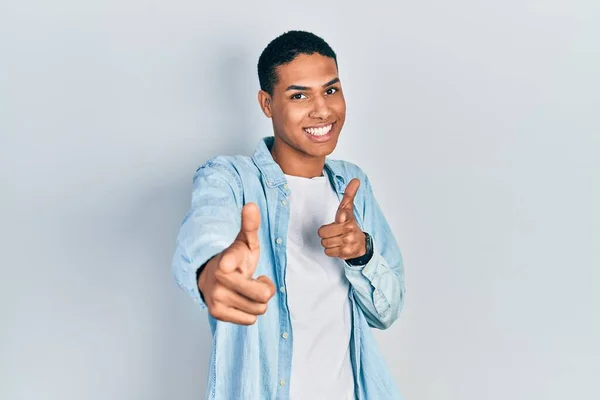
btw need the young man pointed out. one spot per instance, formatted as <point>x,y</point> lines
<point>289,250</point>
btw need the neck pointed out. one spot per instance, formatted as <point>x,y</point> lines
<point>292,162</point>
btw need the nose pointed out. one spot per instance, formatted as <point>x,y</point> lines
<point>320,109</point>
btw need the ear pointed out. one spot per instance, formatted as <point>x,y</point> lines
<point>264,100</point>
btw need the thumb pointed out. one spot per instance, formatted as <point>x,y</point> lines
<point>350,194</point>
<point>250,224</point>
<point>342,215</point>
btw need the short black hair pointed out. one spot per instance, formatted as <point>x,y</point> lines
<point>284,49</point>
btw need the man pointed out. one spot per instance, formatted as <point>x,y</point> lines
<point>326,263</point>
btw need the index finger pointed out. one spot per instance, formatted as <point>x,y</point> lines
<point>257,290</point>
<point>332,230</point>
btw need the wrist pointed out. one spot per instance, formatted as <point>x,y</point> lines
<point>366,257</point>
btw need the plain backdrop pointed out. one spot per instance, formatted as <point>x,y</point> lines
<point>478,123</point>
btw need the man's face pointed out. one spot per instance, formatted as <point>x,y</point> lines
<point>308,107</point>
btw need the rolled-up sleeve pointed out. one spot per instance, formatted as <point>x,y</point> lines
<point>378,286</point>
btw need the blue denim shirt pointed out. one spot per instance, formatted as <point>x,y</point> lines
<point>254,362</point>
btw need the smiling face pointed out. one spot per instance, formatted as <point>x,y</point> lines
<point>308,110</point>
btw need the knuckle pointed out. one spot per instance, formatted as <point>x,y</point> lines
<point>220,275</point>
<point>216,311</point>
<point>264,295</point>
<point>218,294</point>
<point>224,264</point>
<point>261,309</point>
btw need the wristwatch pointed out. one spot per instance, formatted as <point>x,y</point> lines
<point>364,259</point>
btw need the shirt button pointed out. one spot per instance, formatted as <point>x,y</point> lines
<point>278,241</point>
<point>285,186</point>
<point>269,183</point>
<point>282,289</point>
<point>285,335</point>
<point>282,382</point>
<point>284,202</point>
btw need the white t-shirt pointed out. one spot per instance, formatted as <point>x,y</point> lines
<point>317,295</point>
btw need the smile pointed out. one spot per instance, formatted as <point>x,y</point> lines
<point>320,131</point>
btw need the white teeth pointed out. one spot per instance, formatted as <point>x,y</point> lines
<point>324,130</point>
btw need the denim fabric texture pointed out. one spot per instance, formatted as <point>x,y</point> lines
<point>254,362</point>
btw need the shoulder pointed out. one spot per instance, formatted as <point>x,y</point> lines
<point>231,163</point>
<point>348,170</point>
<point>230,169</point>
<point>228,165</point>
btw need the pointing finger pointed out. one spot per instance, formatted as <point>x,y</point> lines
<point>258,290</point>
<point>333,229</point>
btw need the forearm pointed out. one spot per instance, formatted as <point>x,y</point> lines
<point>209,227</point>
<point>378,288</point>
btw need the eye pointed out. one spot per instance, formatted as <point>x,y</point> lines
<point>297,96</point>
<point>331,90</point>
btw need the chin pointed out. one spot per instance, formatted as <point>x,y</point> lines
<point>322,150</point>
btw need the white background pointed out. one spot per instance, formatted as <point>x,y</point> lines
<point>478,123</point>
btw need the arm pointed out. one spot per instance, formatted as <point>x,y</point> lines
<point>379,285</point>
<point>210,225</point>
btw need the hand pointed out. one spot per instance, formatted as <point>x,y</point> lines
<point>230,292</point>
<point>344,238</point>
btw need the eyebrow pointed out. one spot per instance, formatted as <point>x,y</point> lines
<point>296,87</point>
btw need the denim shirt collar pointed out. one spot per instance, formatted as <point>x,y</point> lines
<point>273,174</point>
